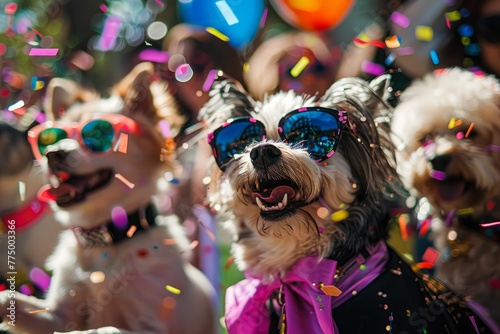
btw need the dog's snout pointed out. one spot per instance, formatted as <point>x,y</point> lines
<point>264,155</point>
<point>441,162</point>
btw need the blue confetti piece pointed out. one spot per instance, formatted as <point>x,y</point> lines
<point>390,59</point>
<point>465,30</point>
<point>434,57</point>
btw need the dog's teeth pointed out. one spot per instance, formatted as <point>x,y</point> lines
<point>54,181</point>
<point>72,193</point>
<point>285,199</point>
<point>280,205</point>
<point>257,185</point>
<point>259,203</point>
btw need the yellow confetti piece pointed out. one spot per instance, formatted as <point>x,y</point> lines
<point>424,33</point>
<point>246,67</point>
<point>339,215</point>
<point>454,123</point>
<point>392,42</point>
<point>39,85</point>
<point>172,289</point>
<point>124,180</point>
<point>217,34</point>
<point>299,67</point>
<point>331,290</point>
<point>39,311</point>
<point>465,211</point>
<point>453,16</point>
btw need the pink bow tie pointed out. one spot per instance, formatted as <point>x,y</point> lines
<point>308,309</point>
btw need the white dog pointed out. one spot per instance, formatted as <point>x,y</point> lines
<point>301,184</point>
<point>33,229</point>
<point>119,264</point>
<point>448,127</point>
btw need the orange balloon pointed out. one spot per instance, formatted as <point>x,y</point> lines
<point>313,15</point>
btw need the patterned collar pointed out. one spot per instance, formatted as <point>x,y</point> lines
<point>25,216</point>
<point>111,233</point>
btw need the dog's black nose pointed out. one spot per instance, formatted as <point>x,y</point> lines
<point>441,162</point>
<point>264,155</point>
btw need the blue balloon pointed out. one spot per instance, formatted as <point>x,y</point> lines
<point>239,20</point>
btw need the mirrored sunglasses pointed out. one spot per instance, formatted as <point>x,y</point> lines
<point>315,129</point>
<point>97,135</point>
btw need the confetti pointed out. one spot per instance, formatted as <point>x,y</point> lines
<point>299,67</point>
<point>124,180</point>
<point>103,7</point>
<point>161,4</point>
<point>466,211</point>
<point>430,255</point>
<point>112,27</point>
<point>39,311</point>
<point>207,230</point>
<point>473,321</point>
<point>22,190</point>
<point>454,123</point>
<point>264,18</point>
<point>372,68</point>
<point>393,42</point>
<point>494,148</point>
<point>155,56</point>
<point>450,216</point>
<point>424,33</point>
<point>10,8</point>
<point>469,130</point>
<point>50,52</point>
<point>97,277</point>
<point>331,290</point>
<point>434,57</point>
<point>122,143</point>
<point>209,80</point>
<point>39,278</point>
<point>400,19</point>
<point>390,59</point>
<point>217,34</point>
<point>339,215</point>
<point>453,16</point>
<point>227,12</point>
<point>405,51</point>
<point>229,263</point>
<point>172,289</point>
<point>360,42</point>
<point>490,224</point>
<point>119,217</point>
<point>403,222</point>
<point>425,265</point>
<point>131,231</point>
<point>183,73</point>
<point>438,175</point>
<point>17,105</point>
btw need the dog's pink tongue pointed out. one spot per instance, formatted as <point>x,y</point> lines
<point>450,191</point>
<point>48,193</point>
<point>276,194</point>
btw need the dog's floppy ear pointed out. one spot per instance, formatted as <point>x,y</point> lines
<point>228,99</point>
<point>61,94</point>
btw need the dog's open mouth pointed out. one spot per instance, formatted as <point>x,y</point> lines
<point>275,198</point>
<point>73,188</point>
<point>452,190</point>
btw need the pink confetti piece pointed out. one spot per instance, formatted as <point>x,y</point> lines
<point>490,224</point>
<point>209,80</point>
<point>473,321</point>
<point>155,56</point>
<point>103,7</point>
<point>405,51</point>
<point>400,19</point>
<point>40,278</point>
<point>10,8</point>
<point>450,216</point>
<point>112,27</point>
<point>165,129</point>
<point>49,52</point>
<point>264,18</point>
<point>161,4</point>
<point>438,175</point>
<point>372,68</point>
<point>494,148</point>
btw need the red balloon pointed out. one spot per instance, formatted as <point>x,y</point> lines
<point>312,15</point>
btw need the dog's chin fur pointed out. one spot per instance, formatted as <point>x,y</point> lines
<point>421,127</point>
<point>266,244</point>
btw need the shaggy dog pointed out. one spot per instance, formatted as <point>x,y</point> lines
<point>448,126</point>
<point>302,183</point>
<point>119,264</point>
<point>29,231</point>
